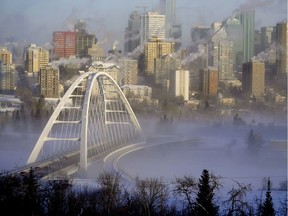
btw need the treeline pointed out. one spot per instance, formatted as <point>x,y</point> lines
<point>28,195</point>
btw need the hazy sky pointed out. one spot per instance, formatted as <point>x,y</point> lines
<point>35,20</point>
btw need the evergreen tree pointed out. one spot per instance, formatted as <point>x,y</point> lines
<point>32,205</point>
<point>254,141</point>
<point>267,207</point>
<point>204,201</point>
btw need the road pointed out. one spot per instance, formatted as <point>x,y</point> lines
<point>110,162</point>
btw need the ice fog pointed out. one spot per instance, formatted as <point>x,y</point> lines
<point>186,147</point>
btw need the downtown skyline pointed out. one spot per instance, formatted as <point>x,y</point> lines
<point>34,21</point>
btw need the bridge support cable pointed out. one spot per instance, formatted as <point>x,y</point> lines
<point>58,112</point>
<point>93,118</point>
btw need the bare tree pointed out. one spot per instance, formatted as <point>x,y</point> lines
<point>236,200</point>
<point>151,196</point>
<point>186,189</point>
<point>108,196</point>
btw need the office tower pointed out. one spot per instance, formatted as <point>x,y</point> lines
<point>221,52</point>
<point>84,41</point>
<point>35,58</point>
<point>234,32</point>
<point>128,71</point>
<point>152,25</point>
<point>200,35</point>
<point>49,82</point>
<point>155,48</point>
<point>217,34</point>
<point>170,15</point>
<point>180,83</point>
<point>173,31</point>
<point>268,37</point>
<point>132,33</point>
<point>64,44</point>
<point>268,46</point>
<point>176,35</point>
<point>247,19</point>
<point>253,78</point>
<point>282,48</point>
<point>257,42</point>
<point>7,72</point>
<point>195,81</point>
<point>209,80</point>
<point>168,9</point>
<point>164,66</point>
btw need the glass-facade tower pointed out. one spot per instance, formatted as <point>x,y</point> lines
<point>247,20</point>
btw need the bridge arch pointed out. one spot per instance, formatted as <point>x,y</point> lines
<point>92,117</point>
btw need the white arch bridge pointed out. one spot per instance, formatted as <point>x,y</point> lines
<point>93,118</point>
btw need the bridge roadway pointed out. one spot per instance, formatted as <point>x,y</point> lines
<point>66,165</point>
<point>110,162</point>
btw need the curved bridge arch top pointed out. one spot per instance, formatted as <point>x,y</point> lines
<point>92,117</point>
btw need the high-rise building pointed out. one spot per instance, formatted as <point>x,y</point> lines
<point>84,41</point>
<point>200,35</point>
<point>128,71</point>
<point>247,19</point>
<point>164,66</point>
<point>268,36</point>
<point>155,48</point>
<point>132,33</point>
<point>173,30</point>
<point>221,52</point>
<point>282,48</point>
<point>180,83</point>
<point>257,42</point>
<point>253,78</point>
<point>176,35</point>
<point>234,31</point>
<point>152,25</point>
<point>7,78</point>
<point>209,80</point>
<point>49,82</point>
<point>35,58</point>
<point>64,44</point>
<point>5,56</point>
<point>7,72</point>
<point>225,60</point>
<point>168,9</point>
